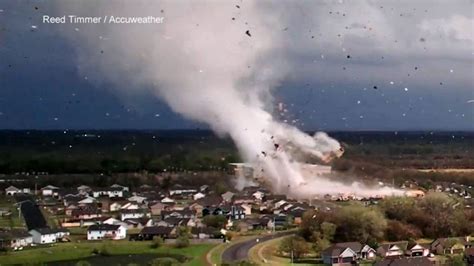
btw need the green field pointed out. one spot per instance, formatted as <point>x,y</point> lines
<point>76,251</point>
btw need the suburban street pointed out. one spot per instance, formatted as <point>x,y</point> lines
<point>240,250</point>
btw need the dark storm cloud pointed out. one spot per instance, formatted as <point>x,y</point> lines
<point>419,55</point>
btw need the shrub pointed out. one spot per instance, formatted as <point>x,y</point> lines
<point>157,242</point>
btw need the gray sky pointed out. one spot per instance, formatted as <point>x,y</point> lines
<point>349,65</point>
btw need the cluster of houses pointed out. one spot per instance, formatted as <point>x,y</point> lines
<point>398,253</point>
<point>117,213</point>
<point>113,212</point>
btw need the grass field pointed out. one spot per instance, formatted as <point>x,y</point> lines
<point>74,251</point>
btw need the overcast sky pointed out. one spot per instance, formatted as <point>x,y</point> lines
<point>351,65</point>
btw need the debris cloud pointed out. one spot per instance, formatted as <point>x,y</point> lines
<point>212,62</point>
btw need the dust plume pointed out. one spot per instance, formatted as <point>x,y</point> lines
<point>211,61</point>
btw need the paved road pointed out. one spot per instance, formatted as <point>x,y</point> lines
<point>240,250</point>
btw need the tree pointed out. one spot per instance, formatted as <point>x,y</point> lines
<point>358,223</point>
<point>157,242</point>
<point>294,246</point>
<point>397,231</point>
<point>217,221</point>
<point>183,236</point>
<point>398,208</point>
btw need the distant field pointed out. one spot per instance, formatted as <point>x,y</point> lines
<point>83,250</point>
<point>98,151</point>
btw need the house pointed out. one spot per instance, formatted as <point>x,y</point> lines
<point>150,232</point>
<point>87,200</point>
<point>198,195</point>
<point>401,261</point>
<point>174,222</point>
<point>137,199</point>
<point>84,190</point>
<point>132,214</point>
<point>180,190</point>
<point>106,231</point>
<point>50,191</point>
<point>335,255</point>
<point>392,249</point>
<point>417,250</point>
<point>227,197</point>
<point>114,221</point>
<point>185,213</point>
<point>15,239</point>
<point>451,245</point>
<point>206,232</point>
<point>11,191</point>
<point>158,207</point>
<point>86,212</point>
<point>197,208</point>
<point>138,222</point>
<point>111,192</point>
<point>48,235</point>
<point>362,251</point>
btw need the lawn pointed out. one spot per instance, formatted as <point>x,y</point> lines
<point>74,251</point>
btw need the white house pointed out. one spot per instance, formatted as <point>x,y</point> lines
<point>109,192</point>
<point>11,190</point>
<point>131,214</point>
<point>49,191</point>
<point>137,199</point>
<point>106,231</point>
<point>15,238</point>
<point>198,195</point>
<point>47,235</point>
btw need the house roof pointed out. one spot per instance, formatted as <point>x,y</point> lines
<point>12,188</point>
<point>335,251</point>
<point>13,234</point>
<point>49,187</point>
<point>49,231</point>
<point>355,246</point>
<point>156,230</point>
<point>387,246</point>
<point>103,227</point>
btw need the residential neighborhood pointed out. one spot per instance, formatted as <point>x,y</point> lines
<point>118,213</point>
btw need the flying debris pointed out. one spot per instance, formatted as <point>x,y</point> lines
<point>248,33</point>
<point>375,87</point>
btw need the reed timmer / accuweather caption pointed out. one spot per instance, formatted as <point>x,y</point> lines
<point>73,19</point>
